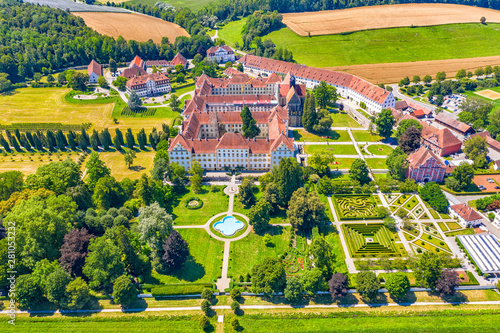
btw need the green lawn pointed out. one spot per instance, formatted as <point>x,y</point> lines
<point>251,250</point>
<point>379,176</point>
<point>342,119</point>
<point>303,135</point>
<point>376,163</point>
<point>231,32</point>
<point>379,149</point>
<point>365,136</point>
<point>205,262</point>
<point>389,45</point>
<point>213,204</point>
<point>334,149</point>
<point>342,163</point>
<point>496,102</point>
<point>111,323</point>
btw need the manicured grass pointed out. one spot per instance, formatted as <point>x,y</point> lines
<point>205,262</point>
<point>435,241</point>
<point>184,89</point>
<point>111,323</point>
<point>342,163</point>
<point>397,322</point>
<point>338,252</point>
<point>379,149</point>
<point>342,119</point>
<point>379,176</point>
<point>434,213</point>
<point>365,136</point>
<point>442,226</point>
<point>303,135</point>
<point>333,149</point>
<point>42,105</point>
<point>231,32</point>
<point>251,250</point>
<point>376,163</point>
<point>468,231</point>
<point>390,45</point>
<point>119,169</point>
<point>453,225</point>
<point>213,204</point>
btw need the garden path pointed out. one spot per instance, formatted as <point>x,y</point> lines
<point>349,262</point>
<point>400,232</point>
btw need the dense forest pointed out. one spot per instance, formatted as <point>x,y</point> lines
<point>37,39</point>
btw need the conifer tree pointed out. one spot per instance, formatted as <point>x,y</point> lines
<point>117,143</point>
<point>24,141</point>
<point>30,138</point>
<point>38,142</point>
<point>4,143</point>
<point>51,140</point>
<point>71,140</point>
<point>119,135</point>
<point>14,143</point>
<point>130,139</point>
<point>249,128</point>
<point>60,140</point>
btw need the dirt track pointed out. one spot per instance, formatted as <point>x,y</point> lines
<point>393,72</point>
<point>387,16</point>
<point>132,26</point>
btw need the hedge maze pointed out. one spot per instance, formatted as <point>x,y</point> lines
<point>369,239</point>
<point>356,207</point>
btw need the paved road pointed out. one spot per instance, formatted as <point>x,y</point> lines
<point>396,93</point>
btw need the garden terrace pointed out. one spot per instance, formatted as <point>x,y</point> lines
<point>356,207</point>
<point>369,239</point>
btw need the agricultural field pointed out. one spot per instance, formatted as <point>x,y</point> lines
<point>369,240</point>
<point>381,17</point>
<point>40,105</point>
<point>355,207</point>
<point>132,26</point>
<point>28,163</point>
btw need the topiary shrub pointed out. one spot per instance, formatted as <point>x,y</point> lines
<point>194,203</point>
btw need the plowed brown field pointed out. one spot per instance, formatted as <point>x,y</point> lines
<point>393,72</point>
<point>132,26</point>
<point>387,16</point>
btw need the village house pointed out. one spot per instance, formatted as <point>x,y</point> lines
<point>466,216</point>
<point>424,166</point>
<point>492,143</point>
<point>347,85</point>
<point>221,54</point>
<point>137,62</point>
<point>454,124</point>
<point>132,72</point>
<point>179,60</point>
<point>157,63</point>
<point>149,85</point>
<point>94,70</point>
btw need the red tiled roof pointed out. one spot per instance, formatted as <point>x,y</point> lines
<point>214,49</point>
<point>419,157</point>
<point>178,60</point>
<point>365,88</point>
<point>150,63</point>
<point>466,212</point>
<point>137,61</point>
<point>94,67</point>
<point>489,140</point>
<point>159,78</point>
<point>230,71</point>
<point>452,122</point>
<point>133,72</point>
<point>419,113</point>
<point>444,136</point>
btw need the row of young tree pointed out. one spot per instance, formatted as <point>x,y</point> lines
<point>52,141</point>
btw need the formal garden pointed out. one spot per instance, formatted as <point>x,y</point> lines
<point>356,207</point>
<point>370,240</point>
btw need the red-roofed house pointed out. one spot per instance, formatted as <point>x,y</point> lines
<point>441,141</point>
<point>424,166</point>
<point>179,60</point>
<point>133,72</point>
<point>467,216</point>
<point>149,84</point>
<point>494,144</point>
<point>221,54</point>
<point>157,63</point>
<point>347,85</point>
<point>94,70</point>
<point>137,62</point>
<point>453,123</point>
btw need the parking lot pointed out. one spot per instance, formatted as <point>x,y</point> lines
<point>452,102</point>
<point>488,182</point>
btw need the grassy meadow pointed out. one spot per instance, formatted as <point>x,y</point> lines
<point>383,45</point>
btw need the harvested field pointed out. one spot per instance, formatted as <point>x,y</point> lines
<point>490,94</point>
<point>388,16</point>
<point>393,72</point>
<point>132,26</point>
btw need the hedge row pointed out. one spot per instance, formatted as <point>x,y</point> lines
<point>143,112</point>
<point>178,289</point>
<point>23,127</point>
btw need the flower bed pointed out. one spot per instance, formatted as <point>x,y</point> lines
<point>194,203</point>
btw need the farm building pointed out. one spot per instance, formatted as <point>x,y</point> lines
<point>453,124</point>
<point>484,250</point>
<point>94,70</point>
<point>137,62</point>
<point>178,60</point>
<point>441,141</point>
<point>492,143</point>
<point>221,54</point>
<point>133,72</point>
<point>157,63</point>
<point>467,216</point>
<point>149,84</point>
<point>348,86</point>
<point>424,166</point>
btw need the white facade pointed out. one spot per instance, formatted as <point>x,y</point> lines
<point>221,55</point>
<point>151,88</point>
<point>93,77</point>
<point>463,222</point>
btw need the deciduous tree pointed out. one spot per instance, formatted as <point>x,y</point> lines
<point>176,251</point>
<point>259,215</point>
<point>367,284</point>
<point>338,285</point>
<point>397,284</point>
